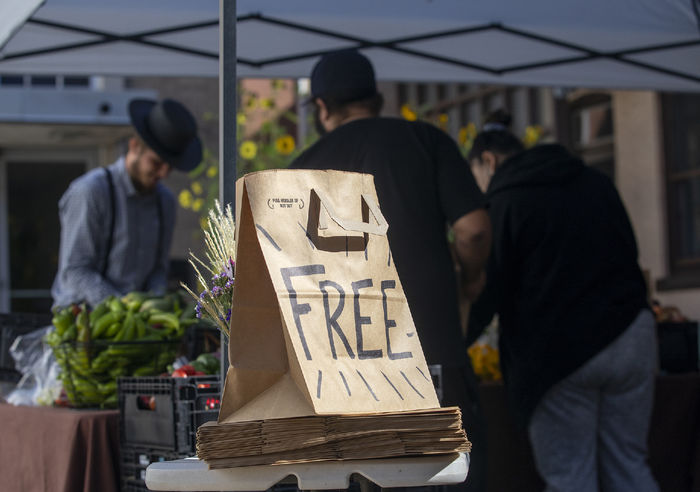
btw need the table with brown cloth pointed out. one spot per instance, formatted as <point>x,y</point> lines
<point>674,438</point>
<point>47,449</point>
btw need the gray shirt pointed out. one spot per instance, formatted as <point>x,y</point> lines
<point>134,262</point>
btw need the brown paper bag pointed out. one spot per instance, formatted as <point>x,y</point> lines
<point>320,323</point>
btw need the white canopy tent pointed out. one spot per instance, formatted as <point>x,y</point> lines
<point>640,44</point>
<point>652,44</point>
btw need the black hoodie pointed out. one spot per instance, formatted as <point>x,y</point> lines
<point>563,275</point>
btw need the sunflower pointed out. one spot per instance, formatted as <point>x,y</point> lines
<point>462,136</point>
<point>408,113</point>
<point>212,171</point>
<point>185,199</point>
<point>285,144</point>
<point>248,149</point>
<point>466,133</point>
<point>533,133</point>
<point>241,118</point>
<point>197,204</point>
<point>251,102</point>
<point>197,188</point>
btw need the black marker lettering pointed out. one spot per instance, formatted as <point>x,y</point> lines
<point>368,386</point>
<point>332,319</point>
<point>392,384</point>
<point>299,309</point>
<point>390,323</point>
<point>423,374</point>
<point>411,384</point>
<point>347,388</point>
<point>362,320</point>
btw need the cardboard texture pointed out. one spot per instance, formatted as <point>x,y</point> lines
<point>320,323</point>
<point>318,438</point>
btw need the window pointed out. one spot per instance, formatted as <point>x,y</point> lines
<point>77,82</point>
<point>422,94</point>
<point>682,151</point>
<point>43,81</point>
<point>11,80</point>
<point>591,132</point>
<point>46,81</point>
<point>403,93</point>
<point>33,191</point>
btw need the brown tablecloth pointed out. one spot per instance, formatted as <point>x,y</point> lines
<point>58,450</point>
<point>674,439</point>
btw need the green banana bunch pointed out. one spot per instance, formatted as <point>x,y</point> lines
<point>132,335</point>
<point>62,321</point>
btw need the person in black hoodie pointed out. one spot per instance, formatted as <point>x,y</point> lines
<point>577,341</point>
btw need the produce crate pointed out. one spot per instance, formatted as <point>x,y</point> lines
<point>89,370</point>
<point>133,463</point>
<point>201,337</point>
<point>164,413</point>
<point>13,325</point>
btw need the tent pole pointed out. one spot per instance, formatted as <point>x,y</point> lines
<point>227,122</point>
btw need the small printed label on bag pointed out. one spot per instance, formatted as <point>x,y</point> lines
<point>274,203</point>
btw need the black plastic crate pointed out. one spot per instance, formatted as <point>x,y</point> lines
<point>135,460</point>
<point>164,413</point>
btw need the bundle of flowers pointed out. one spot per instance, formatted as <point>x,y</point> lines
<point>214,299</point>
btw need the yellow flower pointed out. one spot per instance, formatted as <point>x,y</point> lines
<point>462,136</point>
<point>442,119</point>
<point>466,134</point>
<point>408,113</point>
<point>212,171</point>
<point>185,199</point>
<point>248,149</point>
<point>252,102</point>
<point>285,144</point>
<point>241,118</point>
<point>267,103</point>
<point>197,188</point>
<point>533,133</point>
<point>197,204</point>
<point>485,360</point>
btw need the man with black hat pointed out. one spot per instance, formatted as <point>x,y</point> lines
<point>423,184</point>
<point>117,222</point>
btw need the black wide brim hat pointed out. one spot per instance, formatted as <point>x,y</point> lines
<point>169,129</point>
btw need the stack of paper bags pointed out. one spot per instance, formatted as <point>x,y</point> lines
<point>325,360</point>
<point>340,437</point>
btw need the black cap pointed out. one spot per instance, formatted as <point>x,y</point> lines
<point>344,76</point>
<point>169,129</point>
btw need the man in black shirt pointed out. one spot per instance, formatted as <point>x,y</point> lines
<point>423,184</point>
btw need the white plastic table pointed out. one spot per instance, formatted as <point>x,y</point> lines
<point>193,474</point>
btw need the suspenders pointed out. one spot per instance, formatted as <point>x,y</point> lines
<point>112,207</point>
<point>110,237</point>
